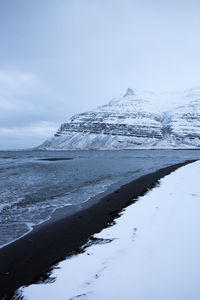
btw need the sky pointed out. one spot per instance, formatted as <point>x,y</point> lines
<point>63,57</point>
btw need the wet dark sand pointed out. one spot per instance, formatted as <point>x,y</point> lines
<point>24,260</point>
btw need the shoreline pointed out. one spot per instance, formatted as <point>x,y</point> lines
<point>64,150</point>
<point>28,258</point>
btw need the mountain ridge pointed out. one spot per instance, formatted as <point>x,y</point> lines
<point>134,121</point>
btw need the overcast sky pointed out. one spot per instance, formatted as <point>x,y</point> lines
<point>63,57</point>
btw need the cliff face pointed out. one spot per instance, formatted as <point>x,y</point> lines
<point>185,124</point>
<point>134,121</point>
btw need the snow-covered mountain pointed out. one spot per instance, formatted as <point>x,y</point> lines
<point>134,120</point>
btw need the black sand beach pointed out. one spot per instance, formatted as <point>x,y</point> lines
<point>24,260</point>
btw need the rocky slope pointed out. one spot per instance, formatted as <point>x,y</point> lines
<point>134,120</point>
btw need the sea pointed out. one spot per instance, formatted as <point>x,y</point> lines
<point>33,184</point>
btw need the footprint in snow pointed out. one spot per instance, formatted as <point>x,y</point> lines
<point>134,234</point>
<point>81,296</point>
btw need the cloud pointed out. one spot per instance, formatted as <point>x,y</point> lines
<point>31,135</point>
<point>60,59</point>
<point>15,79</point>
<point>24,99</point>
<point>40,129</point>
<point>26,112</point>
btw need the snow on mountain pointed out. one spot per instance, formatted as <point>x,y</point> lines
<point>134,120</point>
<point>185,123</point>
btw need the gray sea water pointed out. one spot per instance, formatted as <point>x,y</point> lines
<point>32,188</point>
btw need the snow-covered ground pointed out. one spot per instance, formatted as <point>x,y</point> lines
<point>152,251</point>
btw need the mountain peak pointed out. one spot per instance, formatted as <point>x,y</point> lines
<point>129,92</point>
<point>136,120</point>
